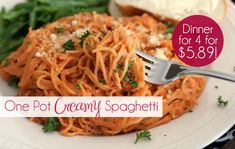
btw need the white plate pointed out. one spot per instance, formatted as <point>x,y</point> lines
<point>193,130</point>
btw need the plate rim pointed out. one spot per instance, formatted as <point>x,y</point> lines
<point>6,139</point>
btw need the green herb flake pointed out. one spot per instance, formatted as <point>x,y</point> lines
<point>216,87</point>
<point>167,24</point>
<point>51,125</point>
<point>143,135</point>
<point>190,110</point>
<point>59,30</point>
<point>14,82</point>
<point>78,86</point>
<point>83,37</point>
<point>130,64</point>
<point>222,102</point>
<point>126,77</point>
<point>119,66</point>
<point>68,45</point>
<point>102,81</point>
<point>6,62</point>
<point>169,27</point>
<point>133,83</point>
<point>169,30</point>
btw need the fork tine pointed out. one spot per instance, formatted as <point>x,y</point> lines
<point>146,56</point>
<point>148,64</point>
<point>148,79</point>
<point>149,72</point>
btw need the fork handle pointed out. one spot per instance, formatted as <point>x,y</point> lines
<point>210,73</point>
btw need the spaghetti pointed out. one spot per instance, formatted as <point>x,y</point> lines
<point>101,63</point>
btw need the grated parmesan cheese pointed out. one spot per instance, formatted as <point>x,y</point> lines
<point>169,92</point>
<point>141,28</point>
<point>153,40</point>
<point>40,54</point>
<point>128,32</point>
<point>161,36</point>
<point>74,22</point>
<point>53,37</point>
<point>143,45</point>
<point>79,32</point>
<point>160,53</point>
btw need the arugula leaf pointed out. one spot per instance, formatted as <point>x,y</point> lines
<point>13,29</point>
<point>32,15</point>
<point>143,135</point>
<point>5,52</point>
<point>83,37</point>
<point>51,125</point>
<point>13,15</point>
<point>3,56</point>
<point>1,22</point>
<point>221,101</point>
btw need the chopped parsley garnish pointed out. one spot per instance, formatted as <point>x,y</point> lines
<point>59,30</point>
<point>130,64</point>
<point>221,101</point>
<point>6,62</point>
<point>68,45</point>
<point>51,125</point>
<point>126,77</point>
<point>119,66</point>
<point>83,37</point>
<point>14,82</point>
<point>102,81</point>
<point>143,135</point>
<point>78,86</point>
<point>129,79</point>
<point>133,83</point>
<point>190,110</point>
<point>170,28</point>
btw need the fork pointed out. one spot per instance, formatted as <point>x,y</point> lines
<point>158,71</point>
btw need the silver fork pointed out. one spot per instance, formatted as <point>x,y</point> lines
<point>159,71</point>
